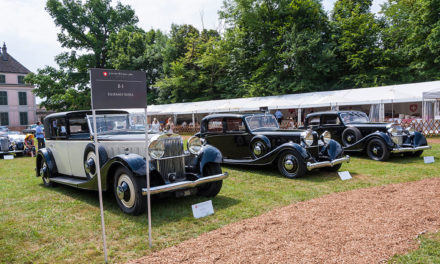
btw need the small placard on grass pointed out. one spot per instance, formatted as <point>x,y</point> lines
<point>429,159</point>
<point>202,209</point>
<point>344,175</point>
<point>8,157</point>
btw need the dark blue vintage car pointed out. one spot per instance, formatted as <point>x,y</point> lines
<point>356,133</point>
<point>256,139</point>
<point>70,158</point>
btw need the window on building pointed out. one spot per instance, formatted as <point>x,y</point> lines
<point>2,78</point>
<point>20,79</point>
<point>23,118</point>
<point>3,98</point>
<point>4,119</point>
<point>22,99</point>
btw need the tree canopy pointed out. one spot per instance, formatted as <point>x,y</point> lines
<point>267,47</point>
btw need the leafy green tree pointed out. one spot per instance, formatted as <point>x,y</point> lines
<point>135,49</point>
<point>85,30</point>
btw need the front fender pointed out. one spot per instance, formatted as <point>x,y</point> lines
<point>272,155</point>
<point>362,144</point>
<point>50,161</point>
<point>332,149</point>
<point>419,139</point>
<point>208,154</point>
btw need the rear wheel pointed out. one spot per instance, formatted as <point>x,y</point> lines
<point>377,150</point>
<point>213,188</point>
<point>128,192</point>
<point>291,164</point>
<point>44,172</point>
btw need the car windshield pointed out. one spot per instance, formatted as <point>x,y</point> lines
<point>256,122</point>
<point>118,123</point>
<point>354,117</point>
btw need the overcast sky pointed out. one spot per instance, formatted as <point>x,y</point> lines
<point>31,36</point>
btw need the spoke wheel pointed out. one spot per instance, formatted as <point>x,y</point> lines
<point>291,164</point>
<point>44,172</point>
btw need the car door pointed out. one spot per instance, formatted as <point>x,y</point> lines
<point>59,145</point>
<point>333,124</point>
<point>236,139</point>
<point>79,138</point>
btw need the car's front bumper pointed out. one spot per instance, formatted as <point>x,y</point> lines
<point>331,163</point>
<point>409,149</point>
<point>184,184</point>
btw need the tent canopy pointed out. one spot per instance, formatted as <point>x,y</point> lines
<point>433,94</point>
<point>362,96</point>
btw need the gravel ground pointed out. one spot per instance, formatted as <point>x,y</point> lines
<point>359,226</point>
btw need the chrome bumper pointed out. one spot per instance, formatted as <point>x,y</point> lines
<point>402,150</point>
<point>311,166</point>
<point>184,184</point>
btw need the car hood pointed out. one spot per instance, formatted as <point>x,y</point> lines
<point>279,132</point>
<point>371,125</point>
<point>16,137</point>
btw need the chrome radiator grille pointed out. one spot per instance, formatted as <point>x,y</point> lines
<point>167,165</point>
<point>4,146</point>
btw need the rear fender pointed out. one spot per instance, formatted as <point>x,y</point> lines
<point>50,161</point>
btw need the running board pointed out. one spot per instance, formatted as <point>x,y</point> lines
<point>75,182</point>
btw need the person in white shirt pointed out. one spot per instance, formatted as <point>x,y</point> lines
<point>155,126</point>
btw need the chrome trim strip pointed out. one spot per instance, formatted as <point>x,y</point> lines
<point>311,166</point>
<point>180,156</point>
<point>402,150</point>
<point>185,184</point>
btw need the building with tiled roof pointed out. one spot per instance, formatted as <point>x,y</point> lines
<point>17,102</point>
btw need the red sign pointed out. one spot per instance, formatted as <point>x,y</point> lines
<point>413,107</point>
<point>105,74</point>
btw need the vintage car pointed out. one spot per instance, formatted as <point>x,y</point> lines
<point>256,139</point>
<point>31,129</point>
<point>70,158</point>
<point>4,144</point>
<point>16,142</point>
<point>355,132</point>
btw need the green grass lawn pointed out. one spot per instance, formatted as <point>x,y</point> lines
<point>62,224</point>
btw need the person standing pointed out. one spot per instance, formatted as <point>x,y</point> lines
<point>155,126</point>
<point>39,134</point>
<point>279,116</point>
<point>169,126</point>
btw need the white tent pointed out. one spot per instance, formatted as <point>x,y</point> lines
<point>431,104</point>
<point>404,93</point>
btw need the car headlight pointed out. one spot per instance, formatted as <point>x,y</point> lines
<point>326,137</point>
<point>410,130</point>
<point>392,130</point>
<point>307,137</point>
<point>156,149</point>
<point>194,145</point>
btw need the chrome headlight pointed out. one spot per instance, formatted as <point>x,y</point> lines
<point>194,145</point>
<point>410,130</point>
<point>156,149</point>
<point>326,136</point>
<point>307,137</point>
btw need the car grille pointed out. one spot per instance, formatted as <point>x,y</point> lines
<point>168,166</point>
<point>4,144</point>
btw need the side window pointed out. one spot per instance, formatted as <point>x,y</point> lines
<point>330,120</point>
<point>79,128</point>
<point>58,128</point>
<point>235,125</point>
<point>215,125</point>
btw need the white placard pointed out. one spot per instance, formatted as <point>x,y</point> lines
<point>429,159</point>
<point>8,157</point>
<point>344,175</point>
<point>202,209</point>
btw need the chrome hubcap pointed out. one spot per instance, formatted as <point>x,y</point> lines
<point>90,164</point>
<point>288,164</point>
<point>375,150</point>
<point>121,190</point>
<point>43,173</point>
<point>257,150</point>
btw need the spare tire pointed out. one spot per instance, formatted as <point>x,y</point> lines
<point>350,136</point>
<point>260,146</point>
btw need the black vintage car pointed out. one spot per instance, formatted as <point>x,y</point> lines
<point>256,139</point>
<point>70,158</point>
<point>355,132</point>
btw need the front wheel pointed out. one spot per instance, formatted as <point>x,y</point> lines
<point>417,153</point>
<point>213,188</point>
<point>377,150</point>
<point>128,192</point>
<point>44,173</point>
<point>334,168</point>
<point>291,164</point>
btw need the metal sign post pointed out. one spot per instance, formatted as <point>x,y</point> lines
<point>117,89</point>
<point>147,160</point>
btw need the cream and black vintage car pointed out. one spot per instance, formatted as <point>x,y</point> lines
<point>69,158</point>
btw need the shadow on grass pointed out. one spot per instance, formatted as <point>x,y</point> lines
<point>164,209</point>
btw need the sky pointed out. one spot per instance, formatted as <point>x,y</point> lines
<point>31,36</point>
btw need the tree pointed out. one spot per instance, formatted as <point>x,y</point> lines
<point>85,30</point>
